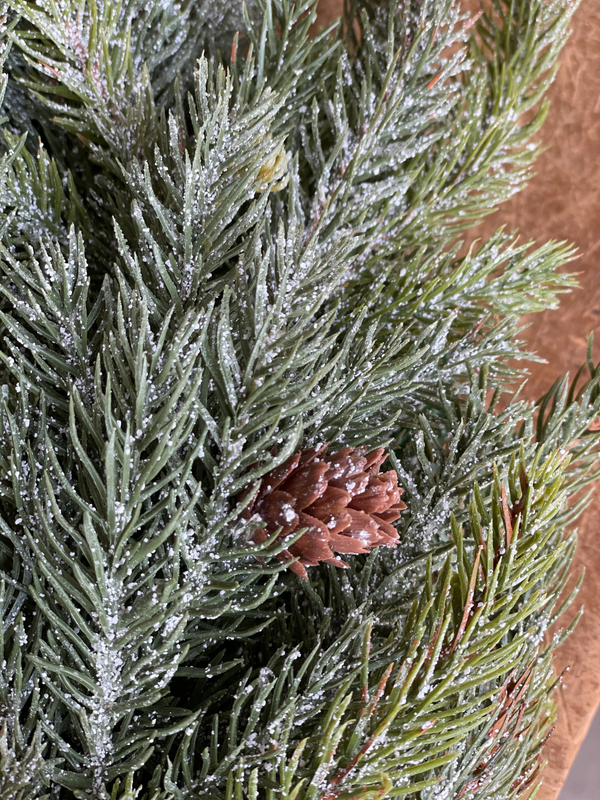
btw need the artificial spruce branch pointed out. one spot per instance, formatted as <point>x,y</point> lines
<point>232,291</point>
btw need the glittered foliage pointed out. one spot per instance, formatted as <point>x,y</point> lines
<point>274,520</point>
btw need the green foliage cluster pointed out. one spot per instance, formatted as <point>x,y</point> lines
<point>223,240</point>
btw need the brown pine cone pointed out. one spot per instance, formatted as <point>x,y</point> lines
<point>342,499</point>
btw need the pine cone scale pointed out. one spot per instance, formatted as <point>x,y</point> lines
<point>337,522</point>
<point>307,484</point>
<point>387,530</point>
<point>332,501</point>
<point>390,516</point>
<point>313,546</point>
<point>372,500</point>
<point>347,545</point>
<point>278,510</point>
<point>277,477</point>
<point>353,484</point>
<point>362,526</point>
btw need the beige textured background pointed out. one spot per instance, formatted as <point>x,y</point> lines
<point>563,202</point>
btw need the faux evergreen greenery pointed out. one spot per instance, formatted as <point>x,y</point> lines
<point>225,242</point>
